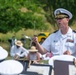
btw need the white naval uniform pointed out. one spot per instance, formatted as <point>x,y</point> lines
<point>56,43</point>
<point>21,51</point>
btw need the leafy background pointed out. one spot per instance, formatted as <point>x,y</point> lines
<point>30,17</point>
<point>18,14</point>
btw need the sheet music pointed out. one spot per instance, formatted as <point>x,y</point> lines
<point>40,70</point>
<point>72,70</point>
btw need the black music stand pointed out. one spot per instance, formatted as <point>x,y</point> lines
<point>62,67</point>
<point>38,67</point>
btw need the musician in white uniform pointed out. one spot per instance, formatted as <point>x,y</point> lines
<point>18,51</point>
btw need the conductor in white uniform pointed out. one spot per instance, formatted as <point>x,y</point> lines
<point>63,41</point>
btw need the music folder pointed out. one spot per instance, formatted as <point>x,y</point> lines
<point>39,69</point>
<point>64,68</point>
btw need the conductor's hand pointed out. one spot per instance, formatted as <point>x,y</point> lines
<point>35,39</point>
<point>67,53</point>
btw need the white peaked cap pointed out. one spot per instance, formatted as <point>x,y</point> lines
<point>63,11</point>
<point>61,58</point>
<point>10,67</point>
<point>3,53</point>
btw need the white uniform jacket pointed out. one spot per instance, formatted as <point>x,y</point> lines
<point>57,43</point>
<point>21,51</point>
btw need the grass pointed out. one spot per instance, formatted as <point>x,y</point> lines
<point>41,61</point>
<point>44,61</point>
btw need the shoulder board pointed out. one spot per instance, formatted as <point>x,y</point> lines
<point>55,31</point>
<point>74,31</point>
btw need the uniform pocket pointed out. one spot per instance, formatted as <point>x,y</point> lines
<point>56,46</point>
<point>71,44</point>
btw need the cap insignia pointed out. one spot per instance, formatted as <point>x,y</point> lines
<point>58,12</point>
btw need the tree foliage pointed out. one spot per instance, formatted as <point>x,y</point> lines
<point>18,14</point>
<point>51,5</point>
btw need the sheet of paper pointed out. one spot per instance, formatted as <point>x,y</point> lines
<point>40,70</point>
<point>72,70</point>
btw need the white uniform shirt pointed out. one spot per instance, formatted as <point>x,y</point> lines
<point>33,56</point>
<point>21,51</point>
<point>56,43</point>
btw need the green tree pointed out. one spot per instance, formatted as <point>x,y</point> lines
<point>18,14</point>
<point>51,5</point>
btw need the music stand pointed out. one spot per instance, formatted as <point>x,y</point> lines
<point>39,69</point>
<point>62,67</point>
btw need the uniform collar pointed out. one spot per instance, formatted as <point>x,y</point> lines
<point>68,34</point>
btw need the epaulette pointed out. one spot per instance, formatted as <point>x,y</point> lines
<point>74,31</point>
<point>55,31</point>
